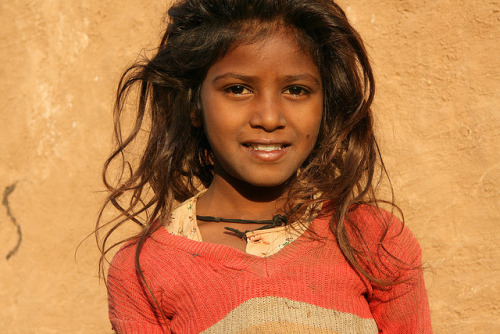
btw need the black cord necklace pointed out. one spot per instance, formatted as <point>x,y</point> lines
<point>278,220</point>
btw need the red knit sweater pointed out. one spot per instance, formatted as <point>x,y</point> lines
<point>307,287</point>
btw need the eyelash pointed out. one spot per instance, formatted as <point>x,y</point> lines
<point>241,89</point>
<point>230,89</point>
<point>303,91</point>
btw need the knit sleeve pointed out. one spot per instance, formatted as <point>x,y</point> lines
<point>131,308</point>
<point>400,308</point>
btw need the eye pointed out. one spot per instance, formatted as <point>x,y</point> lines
<point>296,91</point>
<point>237,90</point>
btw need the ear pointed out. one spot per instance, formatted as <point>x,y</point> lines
<point>195,118</point>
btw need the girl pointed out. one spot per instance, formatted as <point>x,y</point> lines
<point>258,123</point>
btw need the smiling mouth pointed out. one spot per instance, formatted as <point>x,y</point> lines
<point>266,147</point>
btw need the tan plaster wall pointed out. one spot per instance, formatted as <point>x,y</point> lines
<point>437,66</point>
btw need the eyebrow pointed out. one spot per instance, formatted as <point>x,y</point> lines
<point>234,76</point>
<point>305,76</point>
<point>288,78</point>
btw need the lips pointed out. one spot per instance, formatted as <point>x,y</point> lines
<point>268,152</point>
<point>266,147</point>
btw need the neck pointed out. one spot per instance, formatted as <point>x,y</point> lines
<point>231,198</point>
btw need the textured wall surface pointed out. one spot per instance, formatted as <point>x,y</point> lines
<point>437,67</point>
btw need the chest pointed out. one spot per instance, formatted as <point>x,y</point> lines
<point>211,285</point>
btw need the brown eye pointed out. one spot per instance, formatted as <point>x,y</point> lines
<point>296,91</point>
<point>237,90</point>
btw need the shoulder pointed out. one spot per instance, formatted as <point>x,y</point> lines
<point>368,221</point>
<point>124,261</point>
<point>372,231</point>
<point>373,217</point>
<point>377,224</point>
<point>387,247</point>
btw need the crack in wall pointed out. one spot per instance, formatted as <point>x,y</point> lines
<point>6,193</point>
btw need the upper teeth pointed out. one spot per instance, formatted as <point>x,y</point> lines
<point>261,147</point>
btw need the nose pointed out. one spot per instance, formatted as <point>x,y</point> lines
<point>268,113</point>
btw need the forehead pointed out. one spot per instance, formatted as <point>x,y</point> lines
<point>253,32</point>
<point>261,39</point>
<point>277,53</point>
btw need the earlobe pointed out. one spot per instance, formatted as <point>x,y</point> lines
<point>195,118</point>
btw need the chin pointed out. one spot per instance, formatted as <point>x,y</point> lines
<point>268,182</point>
<point>263,179</point>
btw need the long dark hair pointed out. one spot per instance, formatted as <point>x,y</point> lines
<point>176,160</point>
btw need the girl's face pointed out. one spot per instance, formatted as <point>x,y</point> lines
<point>262,109</point>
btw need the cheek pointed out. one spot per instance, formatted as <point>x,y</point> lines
<point>313,126</point>
<point>216,113</point>
<point>218,125</point>
<point>312,132</point>
<point>212,120</point>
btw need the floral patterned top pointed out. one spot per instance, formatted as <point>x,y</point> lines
<point>260,243</point>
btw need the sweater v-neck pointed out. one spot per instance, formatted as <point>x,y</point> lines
<point>236,259</point>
